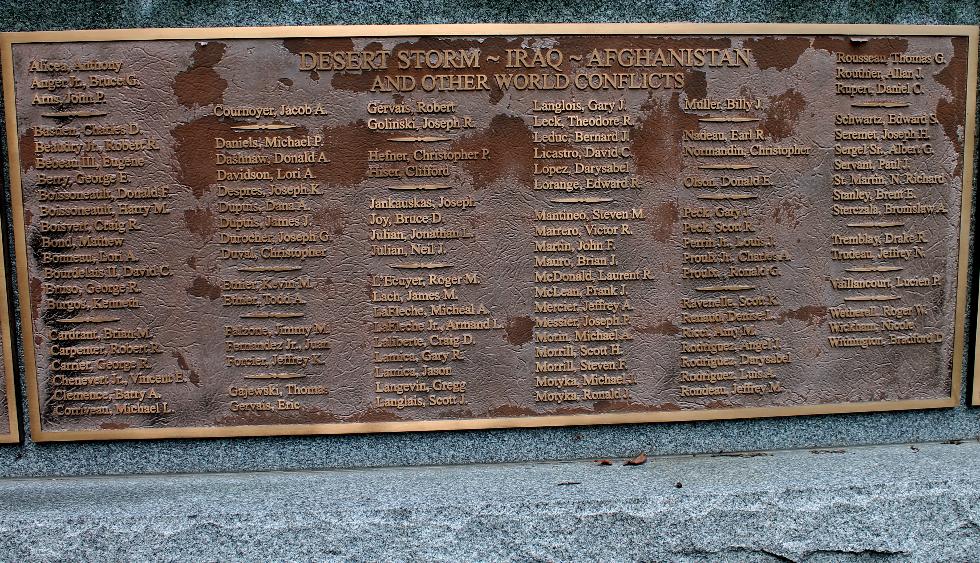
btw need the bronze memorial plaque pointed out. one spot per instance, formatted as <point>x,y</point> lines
<point>231,232</point>
<point>9,431</point>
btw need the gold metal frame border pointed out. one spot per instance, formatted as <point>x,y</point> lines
<point>7,40</point>
<point>13,436</point>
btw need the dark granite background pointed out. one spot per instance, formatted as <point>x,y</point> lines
<point>96,14</point>
<point>494,446</point>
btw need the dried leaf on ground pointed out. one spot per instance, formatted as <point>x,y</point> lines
<point>638,460</point>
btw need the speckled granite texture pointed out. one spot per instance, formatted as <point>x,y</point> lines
<point>494,446</point>
<point>896,503</point>
<point>86,14</point>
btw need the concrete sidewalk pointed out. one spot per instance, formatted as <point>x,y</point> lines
<point>904,502</point>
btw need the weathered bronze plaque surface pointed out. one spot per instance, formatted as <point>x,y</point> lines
<point>328,230</point>
<point>9,431</point>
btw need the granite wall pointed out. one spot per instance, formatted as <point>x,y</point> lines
<point>256,454</point>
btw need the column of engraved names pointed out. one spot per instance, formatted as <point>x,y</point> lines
<point>427,311</point>
<point>272,253</point>
<point>732,263</point>
<point>94,211</point>
<point>886,198</point>
<point>585,219</point>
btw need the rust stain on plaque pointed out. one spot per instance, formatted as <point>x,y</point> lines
<point>512,140</point>
<point>862,44</point>
<point>355,81</point>
<point>657,144</point>
<point>519,330</point>
<point>192,141</point>
<point>37,295</point>
<point>200,222</point>
<point>333,220</point>
<point>318,44</point>
<point>696,85</point>
<point>783,113</point>
<point>665,216</point>
<point>335,234</point>
<point>953,77</point>
<point>810,314</point>
<point>346,143</point>
<point>779,53</point>
<point>203,288</point>
<point>200,84</point>
<point>27,150</point>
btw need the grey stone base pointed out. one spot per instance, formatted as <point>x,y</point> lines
<point>903,502</point>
